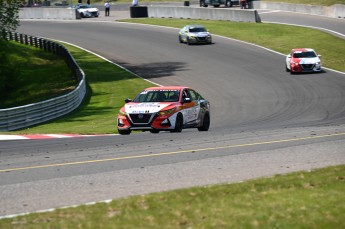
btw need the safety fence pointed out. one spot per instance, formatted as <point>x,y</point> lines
<point>32,114</point>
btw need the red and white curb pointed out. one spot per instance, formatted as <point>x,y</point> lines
<point>46,136</point>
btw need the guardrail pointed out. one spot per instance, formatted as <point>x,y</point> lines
<point>24,116</point>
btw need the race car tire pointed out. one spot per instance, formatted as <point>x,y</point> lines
<point>124,132</point>
<point>205,123</point>
<point>154,131</point>
<point>178,124</point>
<point>286,68</point>
<point>180,39</point>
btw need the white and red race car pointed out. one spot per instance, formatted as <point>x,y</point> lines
<point>303,60</point>
<point>169,108</point>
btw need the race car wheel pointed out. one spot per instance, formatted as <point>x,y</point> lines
<point>124,132</point>
<point>205,123</point>
<point>154,131</point>
<point>180,39</point>
<point>287,70</point>
<point>178,124</point>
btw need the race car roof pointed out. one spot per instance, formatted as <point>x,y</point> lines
<point>302,50</point>
<point>167,88</point>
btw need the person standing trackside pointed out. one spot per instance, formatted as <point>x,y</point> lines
<point>243,4</point>
<point>107,8</point>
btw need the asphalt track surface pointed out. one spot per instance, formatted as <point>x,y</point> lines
<point>264,121</point>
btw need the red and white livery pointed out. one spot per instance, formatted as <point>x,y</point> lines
<point>169,108</point>
<point>303,60</point>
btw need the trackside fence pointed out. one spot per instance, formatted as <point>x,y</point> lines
<point>32,114</point>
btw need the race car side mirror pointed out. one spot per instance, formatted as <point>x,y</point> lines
<point>187,100</point>
<point>128,100</point>
<point>289,56</point>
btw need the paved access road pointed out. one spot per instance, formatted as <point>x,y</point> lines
<point>264,121</point>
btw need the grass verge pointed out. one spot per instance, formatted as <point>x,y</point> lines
<point>299,200</point>
<point>108,86</point>
<point>31,75</point>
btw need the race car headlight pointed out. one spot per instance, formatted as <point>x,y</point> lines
<point>166,112</point>
<point>121,112</point>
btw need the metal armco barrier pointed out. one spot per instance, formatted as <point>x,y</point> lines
<point>24,116</point>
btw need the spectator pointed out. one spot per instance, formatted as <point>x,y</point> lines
<point>134,2</point>
<point>243,4</point>
<point>107,8</point>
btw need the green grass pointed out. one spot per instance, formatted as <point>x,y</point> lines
<point>108,86</point>
<point>38,76</point>
<point>311,2</point>
<point>299,200</point>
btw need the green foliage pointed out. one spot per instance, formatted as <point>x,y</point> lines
<point>29,75</point>
<point>8,71</point>
<point>9,11</point>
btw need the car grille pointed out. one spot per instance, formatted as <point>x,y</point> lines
<point>141,118</point>
<point>94,14</point>
<point>307,66</point>
<point>202,38</point>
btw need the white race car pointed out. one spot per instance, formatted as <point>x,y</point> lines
<point>194,34</point>
<point>87,10</point>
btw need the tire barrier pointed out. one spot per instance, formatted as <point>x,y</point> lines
<point>24,116</point>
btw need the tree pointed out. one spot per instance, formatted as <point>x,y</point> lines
<point>9,14</point>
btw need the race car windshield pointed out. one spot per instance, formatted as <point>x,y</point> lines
<point>197,30</point>
<point>304,55</point>
<point>157,96</point>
